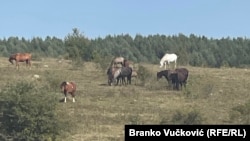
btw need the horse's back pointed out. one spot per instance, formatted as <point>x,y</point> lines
<point>182,73</point>
<point>22,56</point>
<point>126,71</point>
<point>182,70</point>
<point>170,57</point>
<point>68,85</point>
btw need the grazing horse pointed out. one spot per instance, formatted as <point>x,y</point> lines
<point>116,73</point>
<point>68,88</point>
<point>164,73</point>
<point>179,77</point>
<point>167,58</point>
<point>117,60</point>
<point>21,57</point>
<point>111,72</point>
<point>175,77</point>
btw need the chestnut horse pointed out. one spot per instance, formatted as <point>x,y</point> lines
<point>68,88</point>
<point>21,57</point>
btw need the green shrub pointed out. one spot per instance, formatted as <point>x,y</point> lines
<point>192,117</point>
<point>53,80</point>
<point>28,113</point>
<point>143,74</point>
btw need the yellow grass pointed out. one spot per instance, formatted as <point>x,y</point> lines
<point>101,111</point>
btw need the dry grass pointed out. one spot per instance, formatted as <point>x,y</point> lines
<point>101,111</point>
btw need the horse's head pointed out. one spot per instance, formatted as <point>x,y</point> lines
<point>161,64</point>
<point>63,84</point>
<point>11,58</point>
<point>158,75</point>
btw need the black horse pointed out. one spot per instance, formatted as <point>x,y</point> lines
<point>126,72</point>
<point>164,73</point>
<point>177,77</point>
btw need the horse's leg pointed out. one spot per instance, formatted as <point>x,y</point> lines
<point>65,96</point>
<point>117,80</point>
<point>177,85</point>
<point>168,65</point>
<point>17,65</point>
<point>29,64</point>
<point>73,96</point>
<point>123,81</point>
<point>129,79</point>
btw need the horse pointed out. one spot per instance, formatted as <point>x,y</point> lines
<point>164,73</point>
<point>167,58</point>
<point>126,72</point>
<point>179,77</point>
<point>68,88</point>
<point>21,57</point>
<point>116,73</point>
<point>117,60</point>
<point>111,72</point>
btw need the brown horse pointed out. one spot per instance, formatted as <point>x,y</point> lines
<point>68,88</point>
<point>21,57</point>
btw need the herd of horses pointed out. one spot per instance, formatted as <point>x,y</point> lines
<point>120,72</point>
<point>176,77</point>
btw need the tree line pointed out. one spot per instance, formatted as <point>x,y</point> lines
<point>192,50</point>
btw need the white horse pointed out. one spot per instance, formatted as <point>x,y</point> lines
<point>167,58</point>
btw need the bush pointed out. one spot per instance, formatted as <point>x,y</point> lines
<point>28,113</point>
<point>143,74</point>
<point>192,117</point>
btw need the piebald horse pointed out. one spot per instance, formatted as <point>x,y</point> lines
<point>21,57</point>
<point>68,87</point>
<point>167,58</point>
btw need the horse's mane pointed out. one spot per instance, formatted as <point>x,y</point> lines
<point>63,83</point>
<point>163,72</point>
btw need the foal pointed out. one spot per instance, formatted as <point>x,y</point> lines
<point>68,87</point>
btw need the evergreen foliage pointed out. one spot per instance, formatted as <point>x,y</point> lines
<point>192,50</point>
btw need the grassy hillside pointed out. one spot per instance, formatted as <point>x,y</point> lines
<point>212,96</point>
